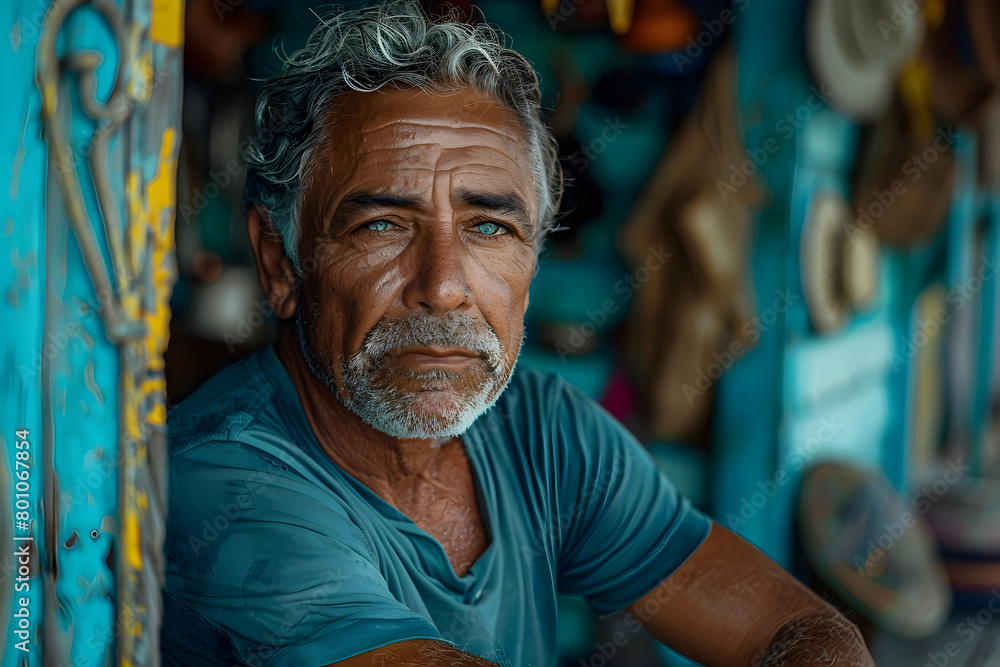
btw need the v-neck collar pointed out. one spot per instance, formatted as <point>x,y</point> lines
<point>470,585</point>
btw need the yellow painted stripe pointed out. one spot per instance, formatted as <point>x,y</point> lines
<point>132,539</point>
<point>167,23</point>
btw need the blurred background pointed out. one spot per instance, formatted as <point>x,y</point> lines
<point>779,250</point>
<point>778,268</point>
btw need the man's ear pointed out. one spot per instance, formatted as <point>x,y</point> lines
<point>274,270</point>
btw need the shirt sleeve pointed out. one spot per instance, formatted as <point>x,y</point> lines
<point>274,563</point>
<point>624,526</point>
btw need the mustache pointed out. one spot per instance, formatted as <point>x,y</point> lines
<point>455,329</point>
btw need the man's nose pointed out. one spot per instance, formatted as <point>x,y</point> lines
<point>439,279</point>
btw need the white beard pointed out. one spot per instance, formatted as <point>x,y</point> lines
<point>441,409</point>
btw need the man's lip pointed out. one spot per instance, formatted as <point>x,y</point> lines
<point>432,351</point>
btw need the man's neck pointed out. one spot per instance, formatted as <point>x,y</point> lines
<point>387,465</point>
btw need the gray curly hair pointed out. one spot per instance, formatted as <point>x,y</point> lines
<point>394,44</point>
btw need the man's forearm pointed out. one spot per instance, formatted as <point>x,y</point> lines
<point>415,653</point>
<point>435,654</point>
<point>828,639</point>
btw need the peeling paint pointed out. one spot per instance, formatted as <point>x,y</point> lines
<point>15,172</point>
<point>91,383</point>
<point>167,22</point>
<point>15,35</point>
<point>107,576</point>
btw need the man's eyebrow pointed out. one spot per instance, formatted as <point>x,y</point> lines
<point>360,202</point>
<point>371,200</point>
<point>507,202</point>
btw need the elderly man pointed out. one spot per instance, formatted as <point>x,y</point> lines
<point>380,487</point>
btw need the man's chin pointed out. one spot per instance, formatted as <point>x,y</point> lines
<point>428,415</point>
<point>428,408</point>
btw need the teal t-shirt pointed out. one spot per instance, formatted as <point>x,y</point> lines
<point>276,556</point>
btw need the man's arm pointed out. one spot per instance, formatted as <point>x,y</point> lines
<point>729,604</point>
<point>415,653</point>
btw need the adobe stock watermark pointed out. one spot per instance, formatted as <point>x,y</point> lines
<point>563,11</point>
<point>218,181</point>
<point>101,470</point>
<point>785,128</point>
<point>968,629</point>
<point>922,501</point>
<point>30,27</point>
<point>557,526</point>
<point>626,287</point>
<point>125,621</point>
<point>915,167</point>
<point>55,342</point>
<point>752,329</point>
<point>247,324</point>
<point>640,613</point>
<point>712,29</point>
<point>212,529</point>
<point>612,129</point>
<point>465,628</point>
<point>903,12</point>
<point>958,296</point>
<point>289,627</point>
<point>751,505</point>
<point>140,91</point>
<point>223,7</point>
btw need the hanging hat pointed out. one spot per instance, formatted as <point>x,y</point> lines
<point>695,308</point>
<point>873,549</point>
<point>856,47</point>
<point>840,262</point>
<point>905,180</point>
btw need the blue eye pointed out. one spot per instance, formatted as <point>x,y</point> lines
<point>378,225</point>
<point>489,228</point>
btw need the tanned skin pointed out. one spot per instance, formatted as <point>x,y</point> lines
<point>435,168</point>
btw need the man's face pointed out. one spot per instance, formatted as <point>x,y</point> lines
<point>421,216</point>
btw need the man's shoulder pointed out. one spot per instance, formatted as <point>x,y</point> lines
<point>546,393</point>
<point>222,408</point>
<point>532,389</point>
<point>539,406</point>
<point>532,379</point>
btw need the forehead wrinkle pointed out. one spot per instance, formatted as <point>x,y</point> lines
<point>406,162</point>
<point>403,171</point>
<point>511,163</point>
<point>405,152</point>
<point>405,180</point>
<point>410,164</point>
<point>450,123</point>
<point>469,165</point>
<point>489,171</point>
<point>448,153</point>
<point>486,170</point>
